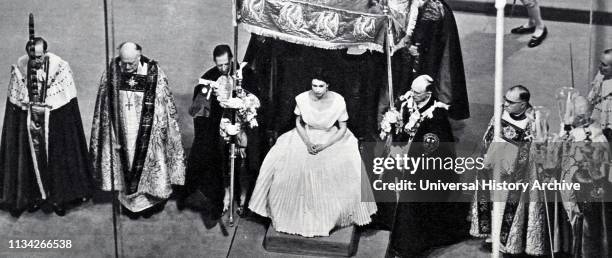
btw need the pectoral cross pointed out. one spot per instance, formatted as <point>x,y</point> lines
<point>129,105</point>
<point>132,83</point>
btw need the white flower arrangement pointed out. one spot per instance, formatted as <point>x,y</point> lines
<point>246,112</point>
<point>391,117</point>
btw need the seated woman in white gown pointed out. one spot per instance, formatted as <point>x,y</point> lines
<point>310,181</point>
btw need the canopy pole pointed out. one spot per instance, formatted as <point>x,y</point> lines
<point>388,41</point>
<point>109,32</point>
<point>232,149</point>
<point>572,64</point>
<point>499,82</point>
<point>590,55</point>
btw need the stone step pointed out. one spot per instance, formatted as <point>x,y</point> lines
<point>341,242</point>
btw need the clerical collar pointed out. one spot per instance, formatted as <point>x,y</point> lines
<point>142,68</point>
<point>518,117</point>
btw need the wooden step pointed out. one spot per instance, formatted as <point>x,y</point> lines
<point>341,242</point>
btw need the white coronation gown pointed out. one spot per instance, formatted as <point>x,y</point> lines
<point>307,194</point>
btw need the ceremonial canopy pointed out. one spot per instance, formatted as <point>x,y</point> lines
<point>331,24</point>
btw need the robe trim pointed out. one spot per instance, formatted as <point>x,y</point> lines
<point>512,133</point>
<point>38,152</point>
<point>133,175</point>
<point>514,197</point>
<point>35,161</point>
<point>311,42</point>
<point>484,205</point>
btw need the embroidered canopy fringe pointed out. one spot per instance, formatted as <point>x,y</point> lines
<point>331,24</point>
<point>309,42</point>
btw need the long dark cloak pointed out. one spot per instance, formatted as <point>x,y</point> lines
<point>68,176</point>
<point>425,219</point>
<point>441,57</point>
<point>205,165</point>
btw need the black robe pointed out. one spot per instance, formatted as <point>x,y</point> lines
<point>208,162</point>
<point>426,219</point>
<point>67,176</point>
<point>441,58</point>
<point>205,164</point>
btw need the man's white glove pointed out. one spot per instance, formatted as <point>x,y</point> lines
<point>234,103</point>
<point>413,50</point>
<point>239,72</point>
<point>212,84</point>
<point>40,75</point>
